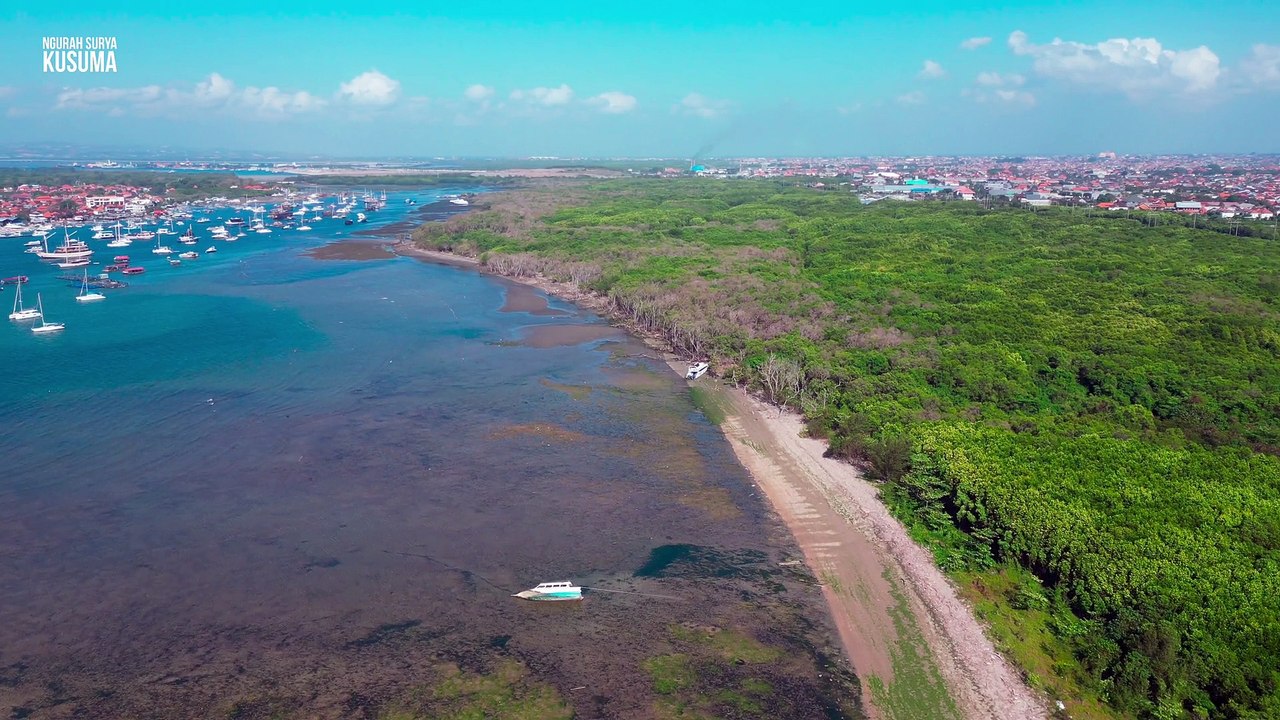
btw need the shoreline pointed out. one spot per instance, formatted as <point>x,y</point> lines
<point>882,589</point>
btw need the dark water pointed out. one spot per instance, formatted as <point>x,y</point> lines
<point>263,484</point>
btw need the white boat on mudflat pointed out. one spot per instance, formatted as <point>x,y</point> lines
<point>552,591</point>
<point>696,371</point>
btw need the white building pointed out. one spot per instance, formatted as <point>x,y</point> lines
<point>104,201</point>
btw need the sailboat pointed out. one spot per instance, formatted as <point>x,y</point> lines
<point>86,296</point>
<point>189,237</point>
<point>119,240</point>
<point>44,327</point>
<point>161,249</point>
<point>19,312</point>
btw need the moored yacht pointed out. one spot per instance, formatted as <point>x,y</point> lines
<point>19,312</point>
<point>44,326</point>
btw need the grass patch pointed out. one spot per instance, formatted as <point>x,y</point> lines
<point>1021,620</point>
<point>506,693</point>
<point>709,403</point>
<point>728,644</point>
<point>670,673</point>
<point>917,689</point>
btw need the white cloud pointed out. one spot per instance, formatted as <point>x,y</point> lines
<point>214,89</point>
<point>1020,98</point>
<point>995,79</point>
<point>974,43</point>
<point>915,97</point>
<point>370,88</point>
<point>1262,66</point>
<point>478,93</point>
<point>931,71</point>
<point>701,106</point>
<point>88,98</point>
<point>614,102</point>
<point>7,91</point>
<point>1138,67</point>
<point>273,101</point>
<point>545,96</point>
<point>997,89</point>
<point>213,94</point>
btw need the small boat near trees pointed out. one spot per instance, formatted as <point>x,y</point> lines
<point>552,591</point>
<point>696,371</point>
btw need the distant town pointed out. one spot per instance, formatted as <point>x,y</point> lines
<point>1236,188</point>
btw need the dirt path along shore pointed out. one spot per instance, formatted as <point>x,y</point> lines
<point>918,649</point>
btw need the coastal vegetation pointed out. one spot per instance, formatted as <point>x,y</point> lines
<point>1079,414</point>
<point>173,185</point>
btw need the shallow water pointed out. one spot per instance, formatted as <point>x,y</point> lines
<point>267,478</point>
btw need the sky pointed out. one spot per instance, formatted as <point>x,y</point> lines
<point>652,79</point>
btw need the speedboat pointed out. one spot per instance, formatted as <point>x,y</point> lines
<point>211,249</point>
<point>552,591</point>
<point>189,255</point>
<point>696,371</point>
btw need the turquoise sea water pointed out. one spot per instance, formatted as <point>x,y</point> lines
<point>261,477</point>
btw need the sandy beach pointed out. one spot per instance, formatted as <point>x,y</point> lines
<point>899,617</point>
<point>869,565</point>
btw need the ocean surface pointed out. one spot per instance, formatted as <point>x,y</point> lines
<point>262,484</point>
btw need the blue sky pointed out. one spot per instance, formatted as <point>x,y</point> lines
<point>654,79</point>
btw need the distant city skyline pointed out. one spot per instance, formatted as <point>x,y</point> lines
<point>659,80</point>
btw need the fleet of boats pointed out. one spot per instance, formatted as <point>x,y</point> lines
<point>296,213</point>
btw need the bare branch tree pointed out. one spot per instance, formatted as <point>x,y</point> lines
<point>782,380</point>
